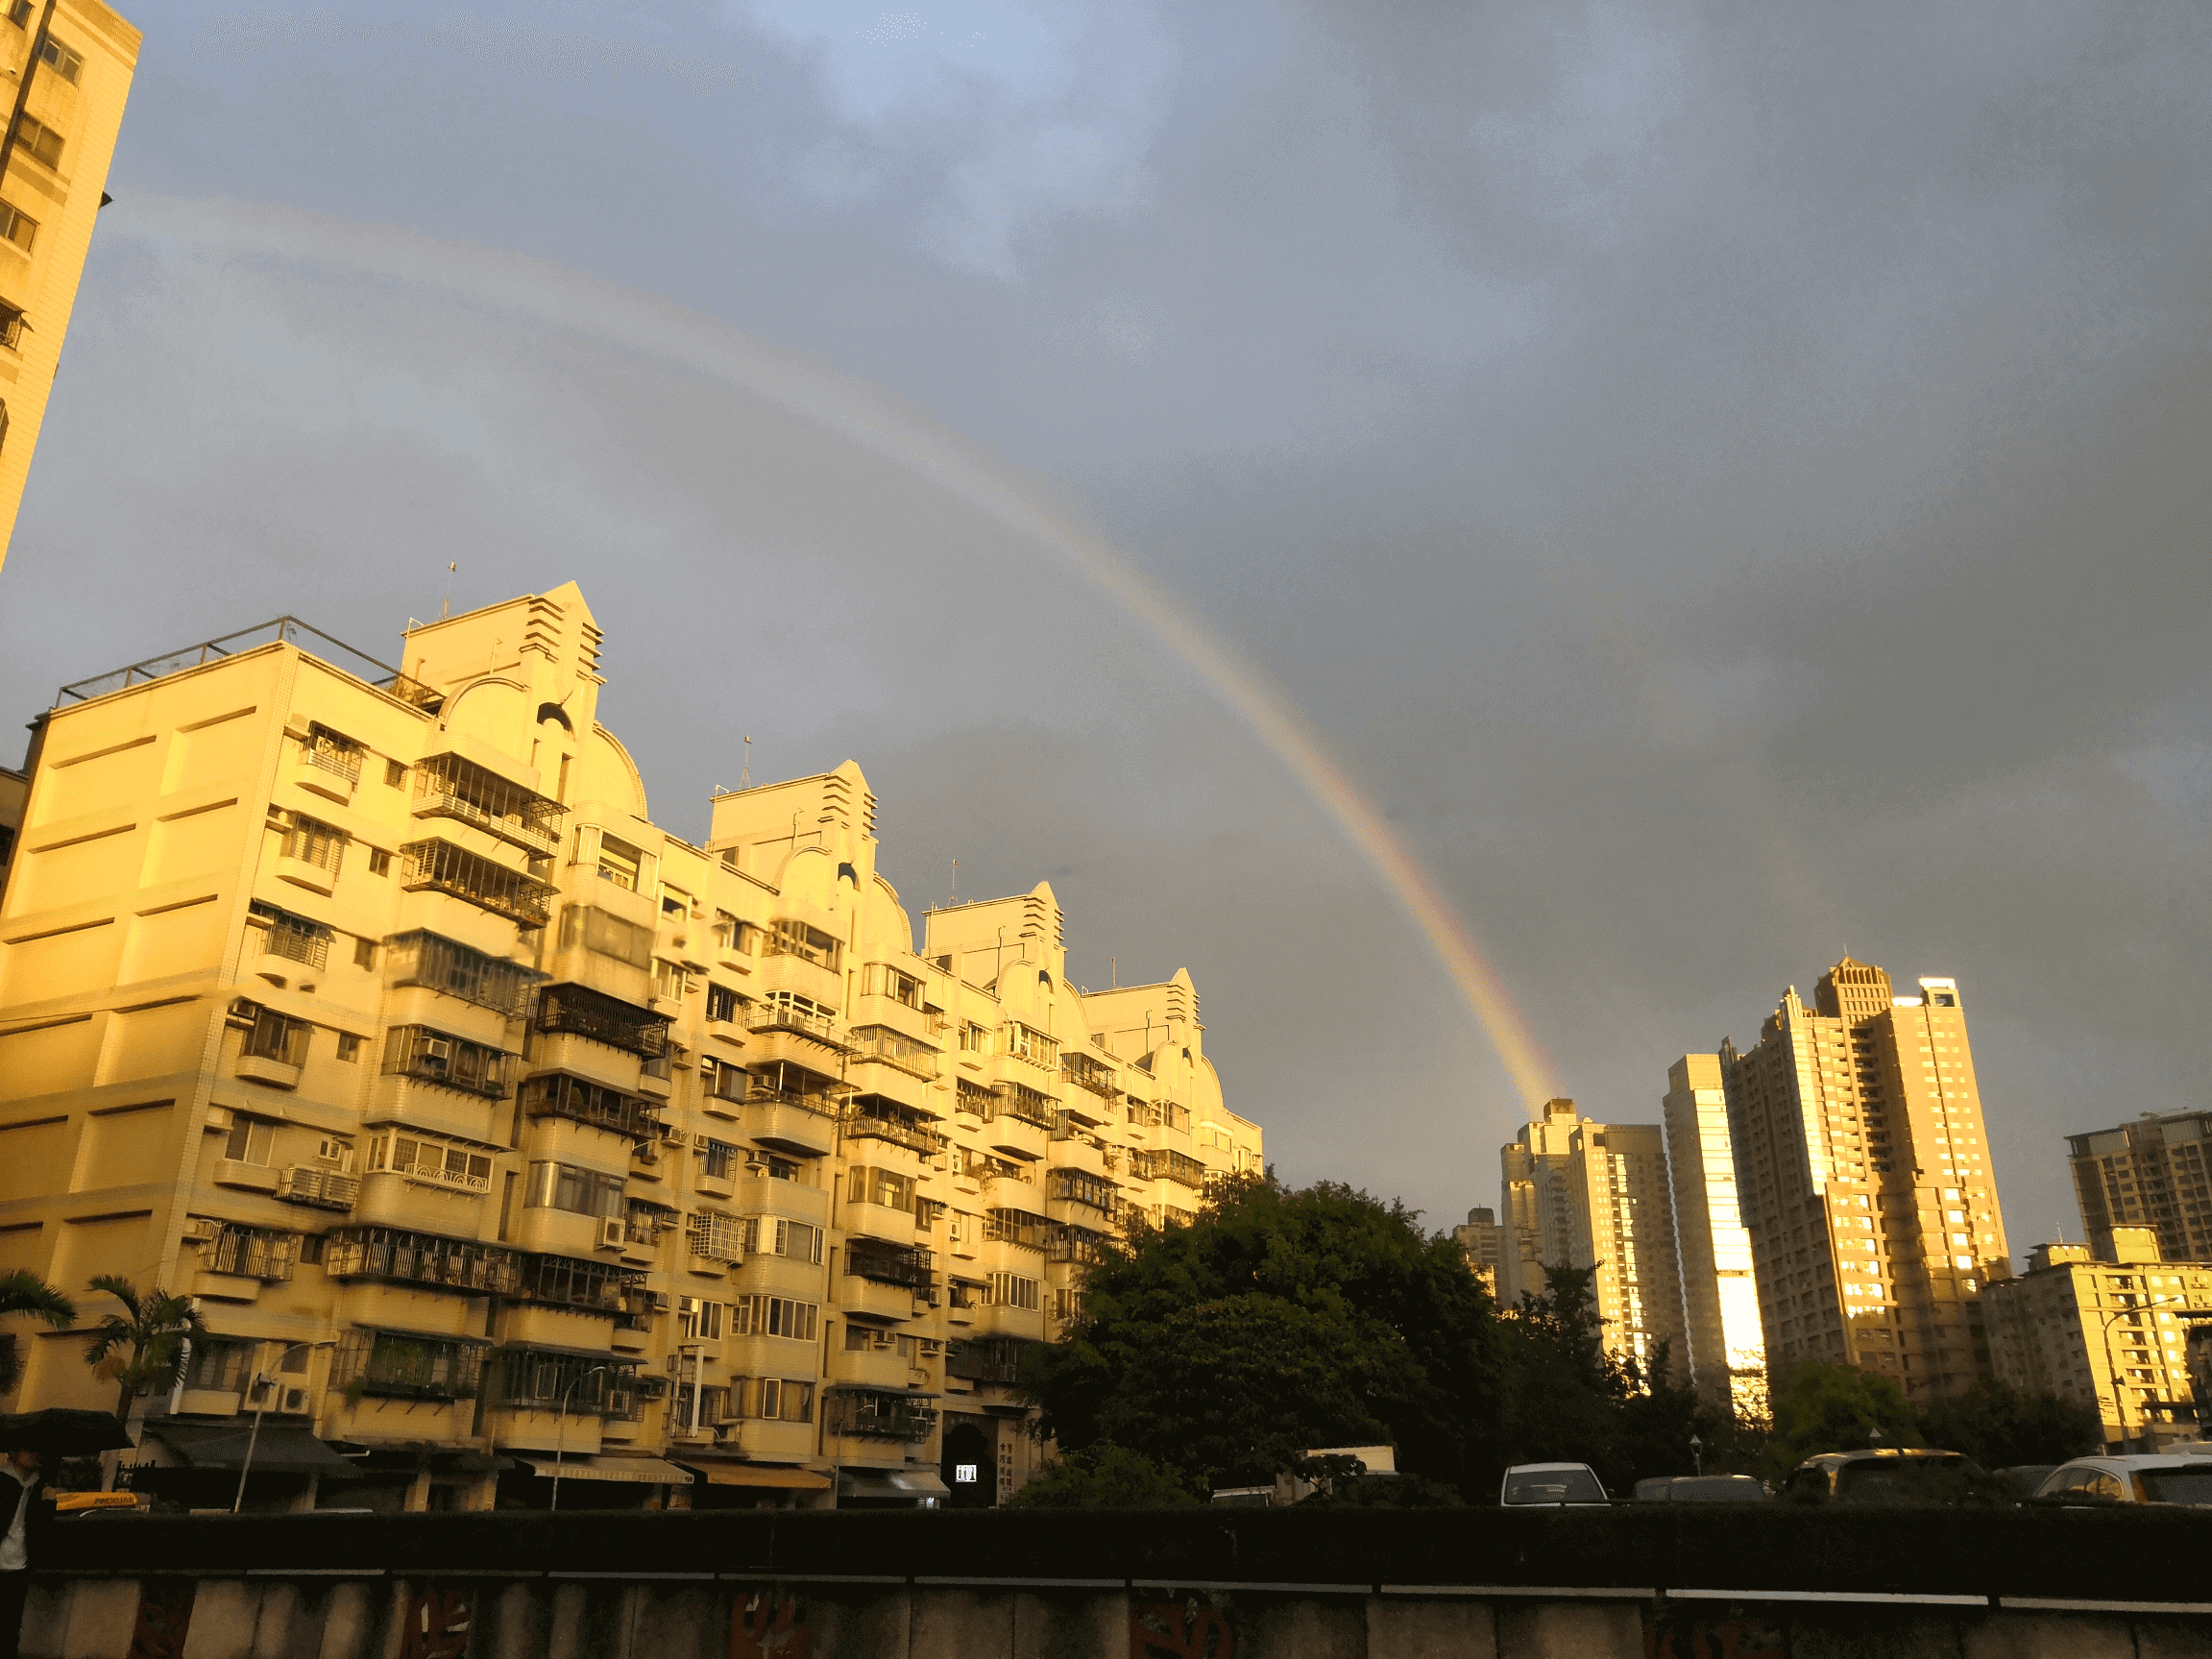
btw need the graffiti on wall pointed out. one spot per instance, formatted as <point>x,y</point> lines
<point>1710,1632</point>
<point>765,1624</point>
<point>164,1618</point>
<point>1187,1629</point>
<point>436,1625</point>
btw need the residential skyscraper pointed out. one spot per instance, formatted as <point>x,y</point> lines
<point>1479,1238</point>
<point>1727,1354</point>
<point>497,1122</point>
<point>2155,1172</point>
<point>1578,1193</point>
<point>69,65</point>
<point>1864,1173</point>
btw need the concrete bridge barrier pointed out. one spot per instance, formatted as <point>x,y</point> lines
<point>1666,1583</point>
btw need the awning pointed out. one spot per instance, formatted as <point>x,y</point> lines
<point>760,1475</point>
<point>600,1466</point>
<point>890,1483</point>
<point>280,1448</point>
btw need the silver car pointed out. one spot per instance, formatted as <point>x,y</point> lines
<point>1531,1485</point>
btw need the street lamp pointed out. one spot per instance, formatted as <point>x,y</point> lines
<point>1697,1454</point>
<point>561,1429</point>
<point>263,1383</point>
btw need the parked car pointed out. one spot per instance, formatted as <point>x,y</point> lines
<point>1702,1489</point>
<point>2027,1477</point>
<point>1550,1485</point>
<point>2181,1474</point>
<point>1884,1475</point>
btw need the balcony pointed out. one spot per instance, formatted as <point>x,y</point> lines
<point>894,1048</point>
<point>575,1382</point>
<point>1163,1164</point>
<point>428,1055</point>
<point>894,1301</point>
<point>883,1368</point>
<point>877,1414</point>
<point>587,1286</point>
<point>447,786</point>
<point>327,762</point>
<point>433,1261</point>
<point>802,1019</point>
<point>442,866</point>
<point>559,1094</point>
<point>1087,1073</point>
<point>423,958</point>
<point>581,1012</point>
<point>407,1365</point>
<point>252,1253</point>
<point>322,1187</point>
<point>864,1124</point>
<point>881,1221</point>
<point>289,942</point>
<point>908,1268</point>
<point>805,1125</point>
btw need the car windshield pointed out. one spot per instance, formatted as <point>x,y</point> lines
<point>1718,1489</point>
<point>1900,1477</point>
<point>2178,1486</point>
<point>1554,1486</point>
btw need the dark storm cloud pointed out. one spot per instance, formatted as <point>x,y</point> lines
<point>1730,483</point>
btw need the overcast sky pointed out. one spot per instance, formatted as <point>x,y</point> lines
<point>1730,482</point>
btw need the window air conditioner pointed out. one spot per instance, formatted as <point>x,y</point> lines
<point>437,1048</point>
<point>611,1233</point>
<point>203,1228</point>
<point>698,1143</point>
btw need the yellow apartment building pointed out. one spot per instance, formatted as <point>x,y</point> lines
<point>1862,1169</point>
<point>68,66</point>
<point>1478,1237</point>
<point>1578,1193</point>
<point>498,1127</point>
<point>1719,1292</point>
<point>2155,1172</point>
<point>2113,1334</point>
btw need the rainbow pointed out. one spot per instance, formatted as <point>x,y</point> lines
<point>868,418</point>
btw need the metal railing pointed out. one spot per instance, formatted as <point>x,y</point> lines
<point>890,1264</point>
<point>293,937</point>
<point>401,1256</point>
<point>865,1125</point>
<point>894,1048</point>
<point>771,1013</point>
<point>443,865</point>
<point>327,751</point>
<point>288,630</point>
<point>558,1094</point>
<point>582,1011</point>
<point>447,786</point>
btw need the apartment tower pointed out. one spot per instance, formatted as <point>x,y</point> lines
<point>1478,1237</point>
<point>1864,1173</point>
<point>490,1123</point>
<point>2156,1173</point>
<point>1577,1193</point>
<point>1727,1354</point>
<point>69,65</point>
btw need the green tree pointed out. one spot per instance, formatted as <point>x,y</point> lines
<point>1999,1427</point>
<point>23,1291</point>
<point>1104,1477</point>
<point>141,1349</point>
<point>1834,1408</point>
<point>1281,1320</point>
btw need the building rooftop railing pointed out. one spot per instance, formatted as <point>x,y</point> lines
<point>288,630</point>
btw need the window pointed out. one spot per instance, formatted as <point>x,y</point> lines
<point>1027,1042</point>
<point>249,1140</point>
<point>432,1160</point>
<point>427,959</point>
<point>722,1081</point>
<point>773,1235</point>
<point>395,774</point>
<point>17,227</point>
<point>402,1365</point>
<point>776,1316</point>
<point>67,63</point>
<point>294,938</point>
<point>883,1186</point>
<point>19,12</point>
<point>796,939</point>
<point>225,1367</point>
<point>379,861</point>
<point>433,1056</point>
<point>349,1046</point>
<point>781,1398</point>
<point>670,981</point>
<point>717,1235</point>
<point>578,1191</point>
<point>866,1339</point>
<point>881,979</point>
<point>10,324</point>
<point>313,841</point>
<point>606,934</point>
<point>721,1160</point>
<point>721,1004</point>
<point>1012,1290</point>
<point>620,862</point>
<point>698,1404</point>
<point>34,138</point>
<point>975,1038</point>
<point>278,1037</point>
<point>699,1321</point>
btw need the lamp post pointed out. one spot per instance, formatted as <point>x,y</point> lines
<point>1697,1454</point>
<point>263,1383</point>
<point>561,1429</point>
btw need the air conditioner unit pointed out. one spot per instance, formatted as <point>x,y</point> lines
<point>295,1399</point>
<point>611,1233</point>
<point>699,1143</point>
<point>437,1048</point>
<point>203,1228</point>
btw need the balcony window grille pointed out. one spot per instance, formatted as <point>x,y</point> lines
<point>435,1162</point>
<point>990,1360</point>
<point>1079,1245</point>
<point>877,1415</point>
<point>882,1042</point>
<point>431,1056</point>
<point>447,786</point>
<point>975,1097</point>
<point>313,841</point>
<point>644,1221</point>
<point>1080,1187</point>
<point>1163,1164</point>
<point>1084,1072</point>
<point>791,938</point>
<point>873,1119</point>
<point>620,862</point>
<point>885,1186</point>
<point>1018,1100</point>
<point>277,1036</point>
<point>718,1160</point>
<point>441,965</point>
<point>1016,1226</point>
<point>1013,1290</point>
<point>1027,1042</point>
<point>333,753</point>
<point>407,1365</point>
<point>442,866</point>
<point>527,1378</point>
<point>558,1094</point>
<point>777,1235</point>
<point>581,1012</point>
<point>721,1005</point>
<point>253,1253</point>
<point>566,1281</point>
<point>776,1316</point>
<point>886,1264</point>
<point>716,1235</point>
<point>578,1191</point>
<point>401,1256</point>
<point>223,1367</point>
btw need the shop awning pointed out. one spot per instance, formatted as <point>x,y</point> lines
<point>280,1449</point>
<point>760,1475</point>
<point>600,1466</point>
<point>890,1483</point>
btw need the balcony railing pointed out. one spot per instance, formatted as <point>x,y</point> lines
<point>887,1265</point>
<point>1080,1187</point>
<point>774,1014</point>
<point>342,657</point>
<point>399,1256</point>
<point>530,1379</point>
<point>581,1012</point>
<point>427,959</point>
<point>327,751</point>
<point>558,1094</point>
<point>447,786</point>
<point>1163,1164</point>
<point>253,1253</point>
<point>877,1415</point>
<point>1086,1072</point>
<point>566,1281</point>
<point>407,1365</point>
<point>293,937</point>
<point>896,1048</point>
<point>442,866</point>
<point>1077,1244</point>
<point>1012,1099</point>
<point>1016,1226</point>
<point>990,1360</point>
<point>866,1126</point>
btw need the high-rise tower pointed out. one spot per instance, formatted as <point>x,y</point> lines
<point>1720,1297</point>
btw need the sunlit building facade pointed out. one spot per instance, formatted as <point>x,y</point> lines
<point>1862,1170</point>
<point>493,1123</point>
<point>1478,1237</point>
<point>2154,1172</point>
<point>1727,1348</point>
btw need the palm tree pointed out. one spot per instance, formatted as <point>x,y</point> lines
<point>25,1292</point>
<point>154,1330</point>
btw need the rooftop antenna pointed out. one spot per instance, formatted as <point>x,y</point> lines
<point>445,609</point>
<point>745,776</point>
<point>1114,971</point>
<point>954,897</point>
